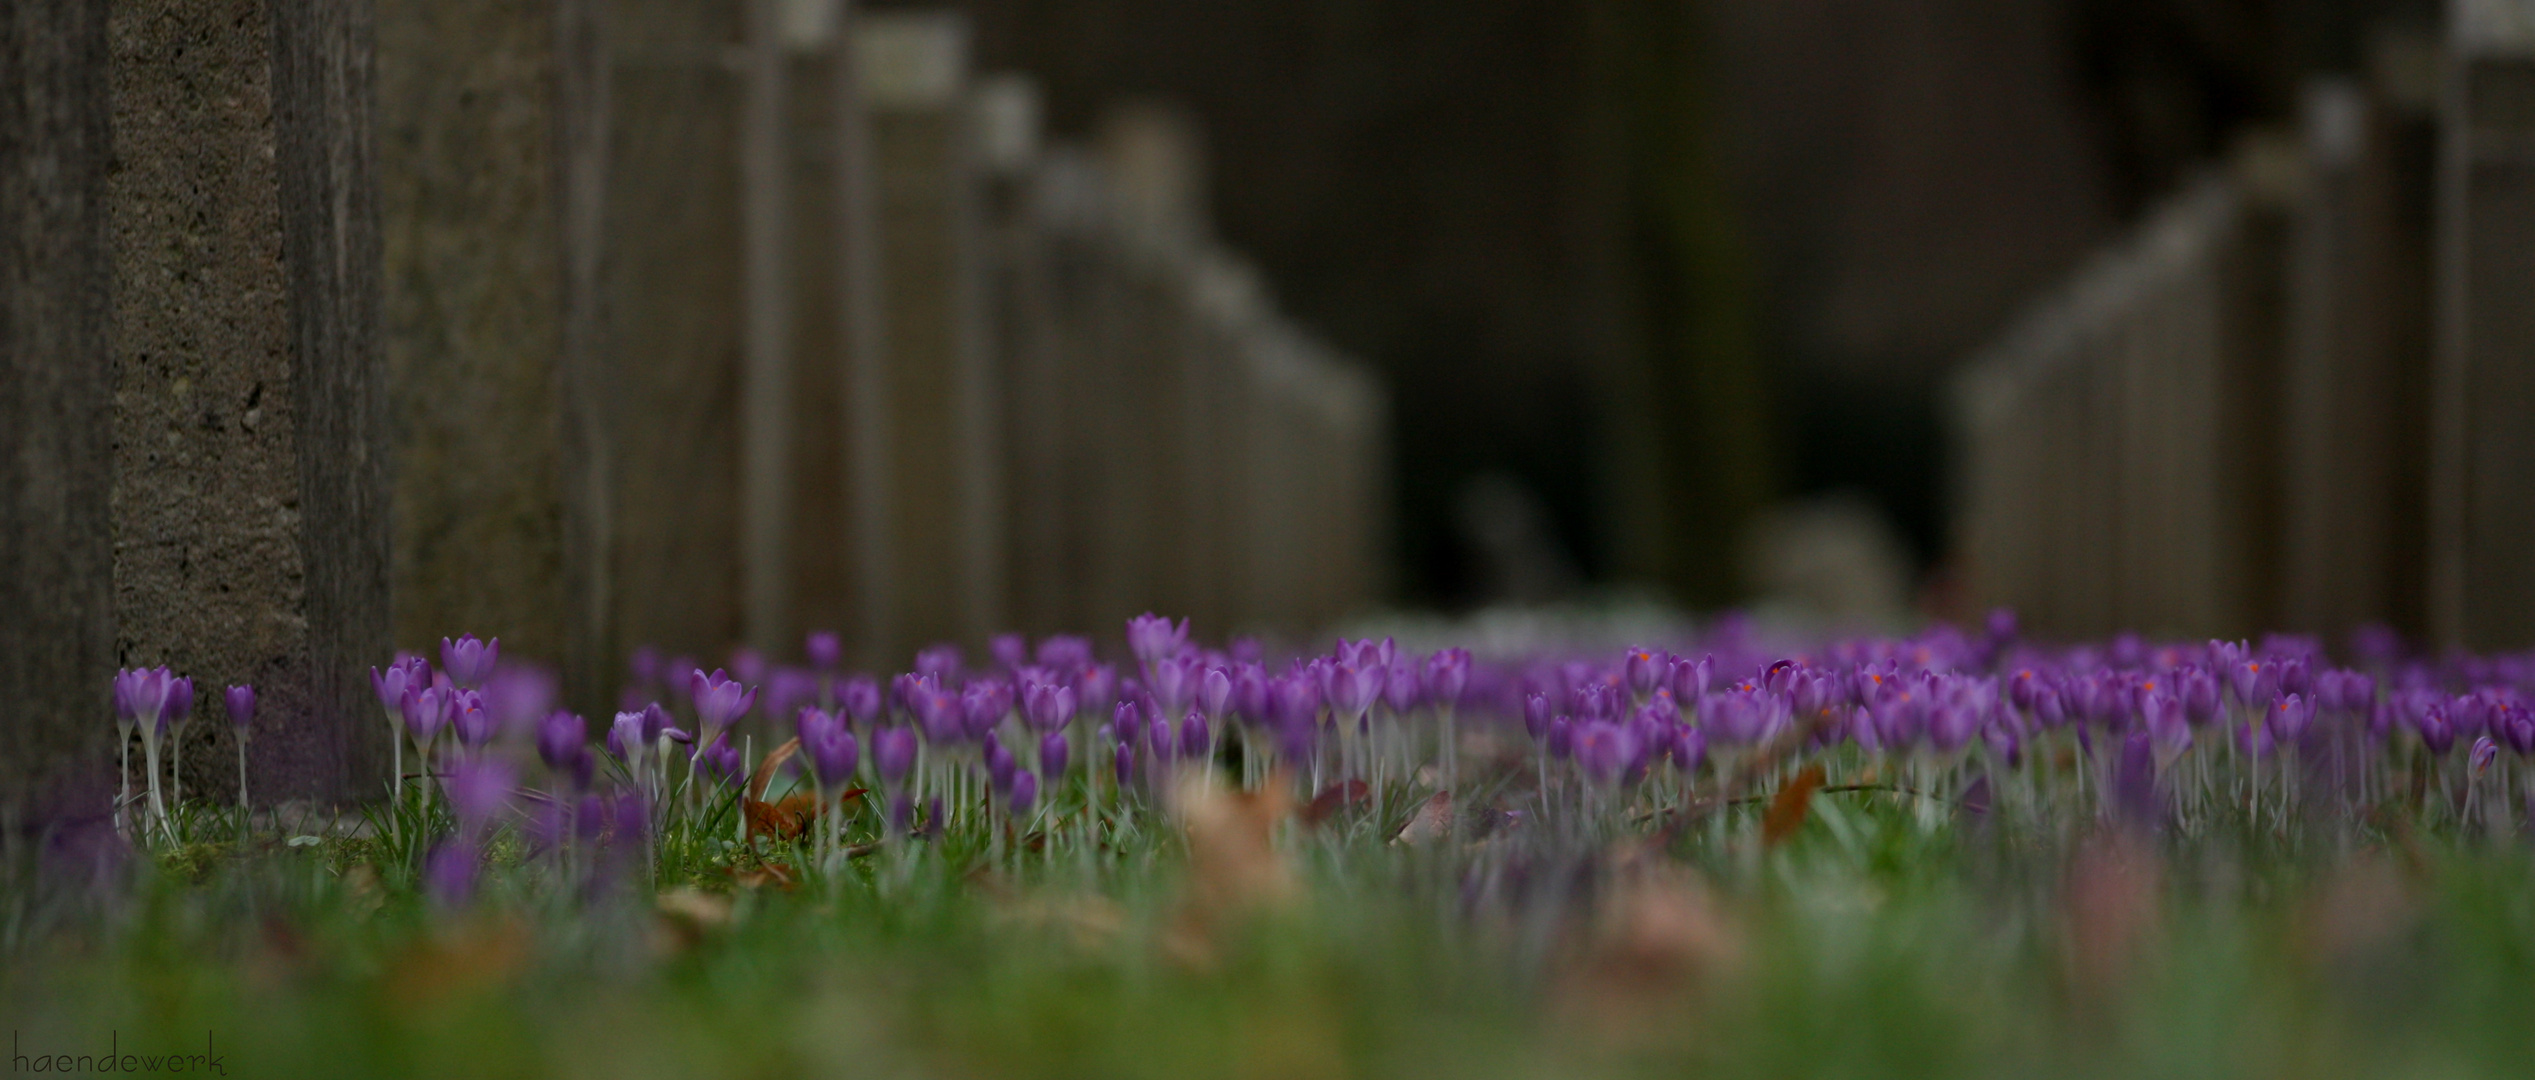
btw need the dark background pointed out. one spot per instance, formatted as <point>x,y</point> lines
<point>1667,263</point>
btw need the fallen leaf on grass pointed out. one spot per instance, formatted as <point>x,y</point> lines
<point>1787,810</point>
<point>789,818</point>
<point>1334,798</point>
<point>1234,868</point>
<point>1658,933</point>
<point>687,915</point>
<point>1432,821</point>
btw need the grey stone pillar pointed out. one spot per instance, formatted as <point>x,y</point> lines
<point>2483,454</point>
<point>56,382</point>
<point>2355,383</point>
<point>489,172</point>
<point>1031,364</point>
<point>251,489</point>
<point>945,496</point>
<point>674,295</point>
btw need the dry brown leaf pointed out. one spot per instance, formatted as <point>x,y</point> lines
<point>1787,810</point>
<point>1234,867</point>
<point>1432,821</point>
<point>687,915</point>
<point>1334,798</point>
<point>1658,933</point>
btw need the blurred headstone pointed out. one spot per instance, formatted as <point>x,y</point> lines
<point>1031,365</point>
<point>251,429</point>
<point>946,497</point>
<point>56,385</point>
<point>1507,531</point>
<point>2355,383</point>
<point>489,164</point>
<point>2482,509</point>
<point>675,300</point>
<point>1834,561</point>
<point>838,554</point>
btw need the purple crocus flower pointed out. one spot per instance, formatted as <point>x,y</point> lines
<point>1054,749</point>
<point>1158,735</point>
<point>1194,738</point>
<point>748,665</point>
<point>449,872</point>
<point>723,763</point>
<point>2484,751</point>
<point>2288,717</point>
<point>2517,727</point>
<point>425,712</point>
<point>1047,707</point>
<point>941,661</point>
<point>1214,694</point>
<point>861,698</point>
<point>1095,688</point>
<point>407,673</point>
<point>1174,681</point>
<point>1153,638</point>
<point>999,762</point>
<point>1536,714</point>
<point>1561,739</point>
<point>625,739</point>
<point>563,743</point>
<point>1012,651</point>
<point>719,699</point>
<point>469,662</point>
<point>2435,731</point>
<point>1604,750</point>
<point>470,719</point>
<point>1025,793</point>
<point>825,649</point>
<point>893,750</point>
<point>478,788</point>
<point>831,746</point>
<point>241,702</point>
<point>1447,675</point>
<point>1643,668</point>
<point>1126,724</point>
<point>1065,652</point>
<point>1402,689</point>
<point>180,702</point>
<point>1689,748</point>
<point>1125,763</point>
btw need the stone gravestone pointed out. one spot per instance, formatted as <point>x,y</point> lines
<point>675,274</point>
<point>2482,515</point>
<point>491,211</point>
<point>2356,374</point>
<point>56,381</point>
<point>837,561</point>
<point>250,496</point>
<point>1030,362</point>
<point>945,487</point>
<point>1154,162</point>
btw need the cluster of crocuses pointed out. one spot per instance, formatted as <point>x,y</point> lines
<point>1048,738</point>
<point>157,704</point>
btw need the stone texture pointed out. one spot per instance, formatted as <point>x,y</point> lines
<point>945,465</point>
<point>673,299</point>
<point>2483,456</point>
<point>56,372</point>
<point>2355,385</point>
<point>250,493</point>
<point>472,234</point>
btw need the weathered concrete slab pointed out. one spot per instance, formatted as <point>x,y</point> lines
<point>251,491</point>
<point>945,481</point>
<point>56,381</point>
<point>2483,455</point>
